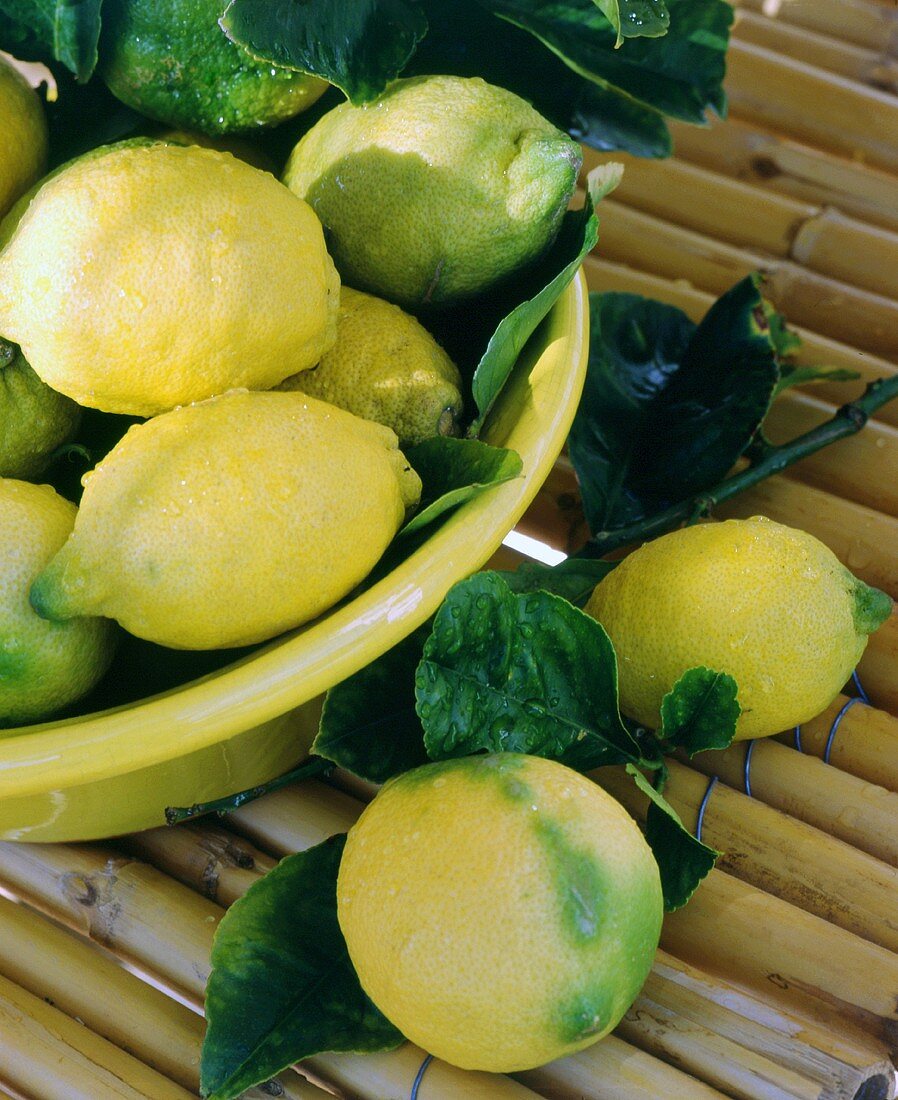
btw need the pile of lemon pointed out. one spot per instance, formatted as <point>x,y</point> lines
<point>180,284</point>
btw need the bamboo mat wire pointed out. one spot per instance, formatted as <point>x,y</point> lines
<point>780,980</point>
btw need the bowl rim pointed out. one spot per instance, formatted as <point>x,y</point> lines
<point>303,663</point>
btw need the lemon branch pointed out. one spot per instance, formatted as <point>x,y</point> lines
<point>848,420</point>
<point>310,769</point>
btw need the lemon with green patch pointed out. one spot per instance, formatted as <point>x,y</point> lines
<point>171,61</point>
<point>23,136</point>
<point>34,419</point>
<point>385,366</point>
<point>143,276</point>
<point>769,605</point>
<point>502,911</point>
<point>43,666</point>
<point>226,522</point>
<point>437,190</point>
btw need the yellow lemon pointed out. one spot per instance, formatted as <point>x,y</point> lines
<point>43,666</point>
<point>226,522</point>
<point>147,275</point>
<point>501,911</point>
<point>385,366</point>
<point>770,605</point>
<point>438,189</point>
<point>23,135</point>
<point>34,420</point>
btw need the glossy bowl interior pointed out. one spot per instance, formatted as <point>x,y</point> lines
<point>116,771</point>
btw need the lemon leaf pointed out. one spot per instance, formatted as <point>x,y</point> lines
<point>573,579</point>
<point>668,406</point>
<point>60,30</point>
<point>800,376</point>
<point>635,18</point>
<point>453,471</point>
<point>683,861</point>
<point>369,724</point>
<point>700,711</point>
<point>282,986</point>
<point>359,45</point>
<point>533,296</point>
<point>527,673</point>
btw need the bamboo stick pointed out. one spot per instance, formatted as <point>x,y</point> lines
<point>859,21</point>
<point>846,249</point>
<point>783,165</point>
<point>878,664</point>
<point>866,65</point>
<point>209,859</point>
<point>615,1070</point>
<point>729,209</point>
<point>47,1054</point>
<point>784,856</point>
<point>863,468</point>
<point>843,312</point>
<point>857,812</point>
<point>376,1076</point>
<point>837,1056</point>
<point>865,745</point>
<point>69,973</point>
<point>734,928</point>
<point>295,817</point>
<point>812,104</point>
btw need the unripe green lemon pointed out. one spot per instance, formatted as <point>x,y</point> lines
<point>769,605</point>
<point>34,420</point>
<point>171,61</point>
<point>229,521</point>
<point>145,276</point>
<point>502,911</point>
<point>23,136</point>
<point>438,189</point>
<point>385,366</point>
<point>43,666</point>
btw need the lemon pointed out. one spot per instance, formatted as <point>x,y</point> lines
<point>23,135</point>
<point>237,146</point>
<point>501,911</point>
<point>170,60</point>
<point>147,275</point>
<point>385,366</point>
<point>34,420</point>
<point>769,605</point>
<point>438,189</point>
<point>43,666</point>
<point>226,522</point>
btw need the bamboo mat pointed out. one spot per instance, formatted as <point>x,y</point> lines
<point>779,981</point>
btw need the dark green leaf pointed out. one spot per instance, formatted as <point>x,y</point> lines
<point>573,579</point>
<point>519,673</point>
<point>369,724</point>
<point>359,45</point>
<point>682,859</point>
<point>61,30</point>
<point>282,986</point>
<point>700,711</point>
<point>635,18</point>
<point>667,407</point>
<point>578,236</point>
<point>453,471</point>
<point>799,376</point>
<point>467,40</point>
<point>680,74</point>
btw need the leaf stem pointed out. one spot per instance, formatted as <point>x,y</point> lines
<point>848,420</point>
<point>310,769</point>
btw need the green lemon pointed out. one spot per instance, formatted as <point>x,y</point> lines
<point>43,666</point>
<point>437,190</point>
<point>502,911</point>
<point>171,61</point>
<point>34,420</point>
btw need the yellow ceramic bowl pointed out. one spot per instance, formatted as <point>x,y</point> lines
<point>116,771</point>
